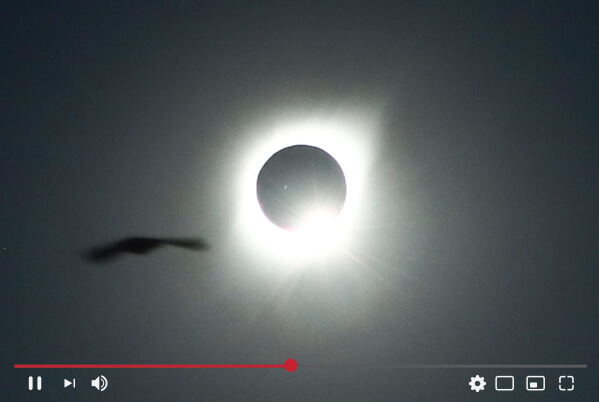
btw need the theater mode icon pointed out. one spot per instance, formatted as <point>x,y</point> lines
<point>504,383</point>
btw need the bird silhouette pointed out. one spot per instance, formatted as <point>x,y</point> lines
<point>140,246</point>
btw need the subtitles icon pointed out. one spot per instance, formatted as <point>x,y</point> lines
<point>504,383</point>
<point>535,383</point>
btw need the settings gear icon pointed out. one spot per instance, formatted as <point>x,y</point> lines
<point>477,383</point>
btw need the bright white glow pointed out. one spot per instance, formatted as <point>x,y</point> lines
<point>318,232</point>
<point>351,140</point>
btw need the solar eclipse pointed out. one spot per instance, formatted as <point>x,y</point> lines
<point>301,188</point>
<point>324,162</point>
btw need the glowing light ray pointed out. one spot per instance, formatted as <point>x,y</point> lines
<point>366,267</point>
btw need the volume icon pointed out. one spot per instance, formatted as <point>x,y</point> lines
<point>100,383</point>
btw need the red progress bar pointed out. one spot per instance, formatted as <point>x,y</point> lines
<point>289,365</point>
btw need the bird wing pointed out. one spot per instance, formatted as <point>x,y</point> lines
<point>191,244</point>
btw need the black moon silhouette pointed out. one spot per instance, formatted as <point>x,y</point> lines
<point>297,182</point>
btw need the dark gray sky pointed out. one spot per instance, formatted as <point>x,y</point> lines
<point>479,244</point>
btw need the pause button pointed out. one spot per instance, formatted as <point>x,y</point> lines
<point>38,383</point>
